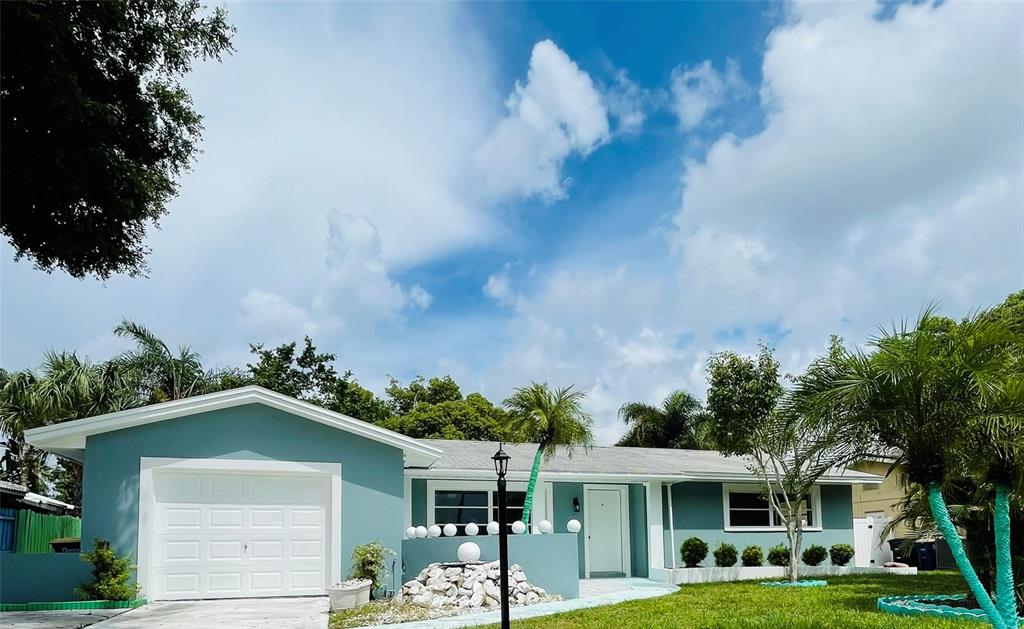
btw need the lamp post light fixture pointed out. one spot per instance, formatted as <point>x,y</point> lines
<point>501,468</point>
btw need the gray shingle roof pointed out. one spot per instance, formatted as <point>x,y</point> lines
<point>475,456</point>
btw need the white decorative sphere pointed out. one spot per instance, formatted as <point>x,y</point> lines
<point>410,532</point>
<point>472,529</point>
<point>545,526</point>
<point>421,532</point>
<point>449,530</point>
<point>573,526</point>
<point>518,527</point>
<point>434,530</point>
<point>493,528</point>
<point>469,551</point>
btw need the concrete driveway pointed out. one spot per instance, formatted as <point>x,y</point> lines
<point>248,613</point>
<point>69,619</point>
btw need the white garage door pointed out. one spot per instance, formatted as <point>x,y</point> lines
<point>230,535</point>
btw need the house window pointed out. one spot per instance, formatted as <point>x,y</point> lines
<point>748,508</point>
<point>480,507</point>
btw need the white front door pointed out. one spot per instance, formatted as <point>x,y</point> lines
<point>238,534</point>
<point>606,537</point>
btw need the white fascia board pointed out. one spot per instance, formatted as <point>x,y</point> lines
<point>623,478</point>
<point>69,437</point>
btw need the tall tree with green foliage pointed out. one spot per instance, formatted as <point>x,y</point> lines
<point>947,396</point>
<point>21,408</point>
<point>96,126</point>
<point>680,422</point>
<point>473,418</point>
<point>553,419</point>
<point>788,448</point>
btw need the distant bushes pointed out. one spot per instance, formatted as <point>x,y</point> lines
<point>725,555</point>
<point>778,555</point>
<point>841,554</point>
<point>694,550</point>
<point>752,557</point>
<point>814,555</point>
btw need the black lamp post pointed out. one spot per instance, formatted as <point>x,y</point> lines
<point>501,468</point>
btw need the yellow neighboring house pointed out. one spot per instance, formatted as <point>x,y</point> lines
<point>879,501</point>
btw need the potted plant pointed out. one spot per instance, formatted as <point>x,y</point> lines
<point>369,569</point>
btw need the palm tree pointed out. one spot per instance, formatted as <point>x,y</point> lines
<point>947,396</point>
<point>680,422</point>
<point>552,420</point>
<point>161,374</point>
<point>22,408</point>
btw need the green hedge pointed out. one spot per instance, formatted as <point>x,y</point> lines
<point>35,530</point>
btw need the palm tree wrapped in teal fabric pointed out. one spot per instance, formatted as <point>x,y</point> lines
<point>948,397</point>
<point>552,420</point>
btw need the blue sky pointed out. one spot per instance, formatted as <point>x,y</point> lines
<point>589,194</point>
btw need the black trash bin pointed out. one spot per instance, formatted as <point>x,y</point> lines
<point>902,551</point>
<point>925,552</point>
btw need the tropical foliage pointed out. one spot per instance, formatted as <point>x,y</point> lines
<point>553,419</point>
<point>680,422</point>
<point>949,398</point>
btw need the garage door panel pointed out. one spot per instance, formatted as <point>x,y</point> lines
<point>222,535</point>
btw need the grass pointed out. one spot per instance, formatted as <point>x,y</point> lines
<point>377,612</point>
<point>847,603</point>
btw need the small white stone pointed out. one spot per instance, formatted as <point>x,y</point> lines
<point>472,529</point>
<point>410,532</point>
<point>545,526</point>
<point>573,526</point>
<point>434,530</point>
<point>493,528</point>
<point>468,551</point>
<point>421,532</point>
<point>518,527</point>
<point>449,530</point>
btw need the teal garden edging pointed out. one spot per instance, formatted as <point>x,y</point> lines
<point>803,583</point>
<point>913,606</point>
<point>71,605</point>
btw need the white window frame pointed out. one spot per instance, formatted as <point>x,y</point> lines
<point>467,485</point>
<point>759,489</point>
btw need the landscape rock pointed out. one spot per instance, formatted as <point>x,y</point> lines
<point>463,587</point>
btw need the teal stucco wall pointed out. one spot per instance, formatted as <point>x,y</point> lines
<point>697,511</point>
<point>41,577</point>
<point>638,530</point>
<point>549,561</point>
<point>419,501</point>
<point>371,472</point>
<point>561,501</point>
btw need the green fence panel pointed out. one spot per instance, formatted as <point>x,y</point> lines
<point>34,531</point>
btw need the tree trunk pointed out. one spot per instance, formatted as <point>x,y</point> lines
<point>793,535</point>
<point>1006,599</point>
<point>956,547</point>
<point>528,502</point>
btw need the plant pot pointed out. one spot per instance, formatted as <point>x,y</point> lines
<point>349,594</point>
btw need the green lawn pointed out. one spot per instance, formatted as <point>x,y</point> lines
<point>847,603</point>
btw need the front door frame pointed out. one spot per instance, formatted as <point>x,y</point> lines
<point>624,512</point>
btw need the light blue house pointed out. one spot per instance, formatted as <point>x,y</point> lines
<point>248,493</point>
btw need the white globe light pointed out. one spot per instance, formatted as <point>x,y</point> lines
<point>545,526</point>
<point>421,532</point>
<point>468,551</point>
<point>410,532</point>
<point>472,529</point>
<point>493,528</point>
<point>518,527</point>
<point>449,530</point>
<point>573,526</point>
<point>434,530</point>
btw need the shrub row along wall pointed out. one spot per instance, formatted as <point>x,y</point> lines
<point>549,561</point>
<point>36,530</point>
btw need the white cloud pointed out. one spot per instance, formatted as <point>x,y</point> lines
<point>556,113</point>
<point>627,103</point>
<point>355,293</point>
<point>699,90</point>
<point>875,187</point>
<point>499,287</point>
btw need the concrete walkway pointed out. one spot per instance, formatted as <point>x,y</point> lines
<point>250,613</point>
<point>58,619</point>
<point>593,593</point>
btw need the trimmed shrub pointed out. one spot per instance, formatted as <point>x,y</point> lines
<point>725,555</point>
<point>752,557</point>
<point>111,574</point>
<point>814,555</point>
<point>841,554</point>
<point>778,555</point>
<point>369,561</point>
<point>694,551</point>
